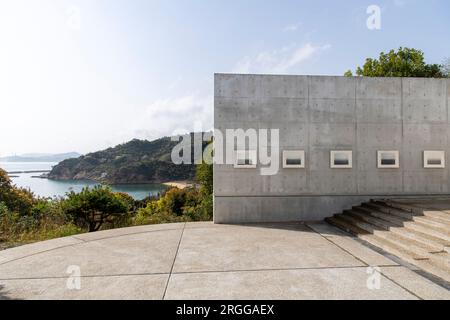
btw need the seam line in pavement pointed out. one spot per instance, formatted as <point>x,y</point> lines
<point>76,238</point>
<point>36,253</point>
<point>100,239</point>
<point>198,272</point>
<point>173,263</point>
<point>89,241</point>
<point>346,251</point>
<point>401,263</point>
<point>406,289</point>
<point>122,235</point>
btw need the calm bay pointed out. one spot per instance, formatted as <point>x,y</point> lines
<point>52,188</point>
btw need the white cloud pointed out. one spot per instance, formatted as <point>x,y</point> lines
<point>166,117</point>
<point>279,61</point>
<point>176,83</point>
<point>292,27</point>
<point>399,3</point>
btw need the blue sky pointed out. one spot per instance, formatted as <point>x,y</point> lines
<point>85,75</point>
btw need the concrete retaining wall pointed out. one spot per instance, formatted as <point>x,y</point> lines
<point>318,114</point>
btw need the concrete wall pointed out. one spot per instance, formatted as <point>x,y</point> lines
<point>318,114</point>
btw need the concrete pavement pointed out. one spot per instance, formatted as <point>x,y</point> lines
<point>207,261</point>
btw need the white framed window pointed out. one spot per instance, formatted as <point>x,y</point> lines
<point>293,159</point>
<point>341,159</point>
<point>434,159</point>
<point>245,159</point>
<point>389,159</point>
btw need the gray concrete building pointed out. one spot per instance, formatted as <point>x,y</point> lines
<point>404,120</point>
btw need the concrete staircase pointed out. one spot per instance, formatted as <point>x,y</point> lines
<point>416,235</point>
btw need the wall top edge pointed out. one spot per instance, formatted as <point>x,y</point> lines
<point>219,74</point>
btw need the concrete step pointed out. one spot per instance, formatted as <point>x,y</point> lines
<point>381,215</point>
<point>373,225</point>
<point>410,242</point>
<point>441,259</point>
<point>392,247</point>
<point>423,240</point>
<point>413,249</point>
<point>417,250</point>
<point>356,221</point>
<point>432,222</point>
<point>344,225</point>
<point>374,220</point>
<point>432,219</point>
<point>400,218</point>
<point>425,229</point>
<point>430,267</point>
<point>388,210</point>
<point>398,206</point>
<point>426,264</point>
<point>436,244</point>
<point>437,215</point>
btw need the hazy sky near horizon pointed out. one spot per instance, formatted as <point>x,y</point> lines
<point>90,74</point>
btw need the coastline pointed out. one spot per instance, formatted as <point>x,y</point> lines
<point>179,184</point>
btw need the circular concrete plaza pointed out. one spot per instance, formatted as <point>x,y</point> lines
<point>207,261</point>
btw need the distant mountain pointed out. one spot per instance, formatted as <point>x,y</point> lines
<point>40,157</point>
<point>138,161</point>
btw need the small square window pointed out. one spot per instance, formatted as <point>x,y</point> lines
<point>388,159</point>
<point>293,159</point>
<point>434,159</point>
<point>341,159</point>
<point>245,159</point>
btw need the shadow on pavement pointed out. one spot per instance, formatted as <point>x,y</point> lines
<point>3,295</point>
<point>292,226</point>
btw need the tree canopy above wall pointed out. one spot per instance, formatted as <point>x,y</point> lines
<point>405,62</point>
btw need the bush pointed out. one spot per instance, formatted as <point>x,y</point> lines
<point>201,212</point>
<point>91,208</point>
<point>16,199</point>
<point>204,176</point>
<point>25,218</point>
<point>144,217</point>
<point>7,222</point>
<point>175,201</point>
<point>3,209</point>
<point>46,222</point>
<point>53,231</point>
<point>177,206</point>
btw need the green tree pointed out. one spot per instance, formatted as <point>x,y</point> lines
<point>406,62</point>
<point>16,199</point>
<point>348,73</point>
<point>446,67</point>
<point>93,207</point>
<point>204,176</point>
<point>175,200</point>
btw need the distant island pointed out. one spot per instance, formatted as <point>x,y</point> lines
<point>134,162</point>
<point>40,157</point>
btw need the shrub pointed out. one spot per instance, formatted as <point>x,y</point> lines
<point>177,206</point>
<point>144,217</point>
<point>3,209</point>
<point>92,208</point>
<point>53,231</point>
<point>16,199</point>
<point>204,176</point>
<point>175,201</point>
<point>13,225</point>
<point>201,212</point>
